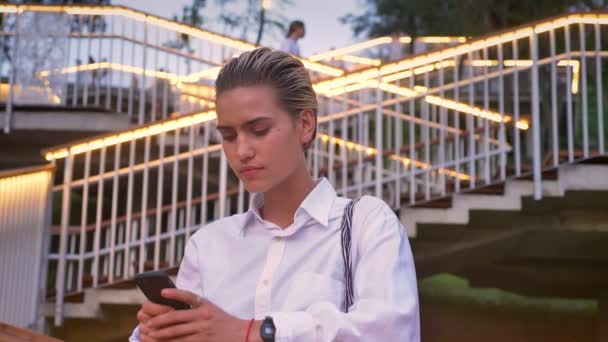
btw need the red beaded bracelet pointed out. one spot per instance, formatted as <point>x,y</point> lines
<point>249,329</point>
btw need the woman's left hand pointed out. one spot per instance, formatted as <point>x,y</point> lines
<point>204,322</point>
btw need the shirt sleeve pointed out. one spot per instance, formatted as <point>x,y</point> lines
<point>386,297</point>
<point>188,277</point>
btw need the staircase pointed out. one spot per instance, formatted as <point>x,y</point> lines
<point>470,143</point>
<point>496,237</point>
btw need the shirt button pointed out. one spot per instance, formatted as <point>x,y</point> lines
<point>277,238</point>
<point>265,282</point>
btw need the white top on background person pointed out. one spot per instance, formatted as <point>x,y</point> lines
<point>283,257</point>
<point>290,44</point>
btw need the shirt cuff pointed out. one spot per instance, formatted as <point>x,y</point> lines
<point>294,326</point>
<point>135,335</point>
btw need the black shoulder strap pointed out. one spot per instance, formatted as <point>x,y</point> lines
<point>347,223</point>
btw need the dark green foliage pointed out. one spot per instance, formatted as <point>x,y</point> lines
<point>456,17</point>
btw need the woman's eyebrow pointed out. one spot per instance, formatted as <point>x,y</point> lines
<point>247,123</point>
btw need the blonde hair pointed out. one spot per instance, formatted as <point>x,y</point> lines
<point>280,70</point>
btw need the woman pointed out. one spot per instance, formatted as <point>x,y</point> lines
<point>281,262</point>
<point>296,31</point>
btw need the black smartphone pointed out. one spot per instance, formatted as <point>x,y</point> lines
<point>151,283</point>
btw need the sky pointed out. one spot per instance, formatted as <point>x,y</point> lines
<point>323,29</point>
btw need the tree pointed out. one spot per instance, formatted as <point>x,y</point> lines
<point>456,17</point>
<point>257,13</point>
<point>7,22</point>
<point>236,18</point>
<point>191,15</point>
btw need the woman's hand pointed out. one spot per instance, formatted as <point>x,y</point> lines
<point>205,322</point>
<point>148,311</point>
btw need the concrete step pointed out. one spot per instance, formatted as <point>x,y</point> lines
<point>68,119</point>
<point>22,148</point>
<point>574,177</point>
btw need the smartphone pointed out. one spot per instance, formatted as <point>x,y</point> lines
<point>151,283</point>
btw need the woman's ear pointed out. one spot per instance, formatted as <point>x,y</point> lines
<point>308,125</point>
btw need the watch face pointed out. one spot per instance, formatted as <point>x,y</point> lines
<point>267,330</point>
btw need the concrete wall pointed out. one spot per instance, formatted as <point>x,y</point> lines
<point>23,218</point>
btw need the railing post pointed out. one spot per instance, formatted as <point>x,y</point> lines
<point>583,90</point>
<point>223,184</point>
<point>554,117</point>
<point>378,132</point>
<point>63,238</point>
<point>599,91</point>
<point>45,249</point>
<point>536,157</point>
<point>142,89</point>
<point>8,116</point>
<point>517,154</point>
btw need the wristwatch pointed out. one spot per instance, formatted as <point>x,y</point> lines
<point>267,330</point>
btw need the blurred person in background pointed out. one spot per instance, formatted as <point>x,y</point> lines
<point>296,31</point>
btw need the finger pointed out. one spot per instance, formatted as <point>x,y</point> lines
<point>179,330</point>
<point>153,309</point>
<point>142,318</point>
<point>144,331</point>
<point>171,318</point>
<point>182,296</point>
<point>147,338</point>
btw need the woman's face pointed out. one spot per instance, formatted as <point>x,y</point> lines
<point>300,32</point>
<point>262,142</point>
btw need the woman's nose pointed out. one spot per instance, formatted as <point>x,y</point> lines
<point>244,149</point>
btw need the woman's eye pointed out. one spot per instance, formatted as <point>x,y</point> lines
<point>228,137</point>
<point>261,131</point>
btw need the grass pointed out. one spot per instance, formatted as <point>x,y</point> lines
<point>447,288</point>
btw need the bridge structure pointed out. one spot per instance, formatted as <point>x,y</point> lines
<point>492,151</point>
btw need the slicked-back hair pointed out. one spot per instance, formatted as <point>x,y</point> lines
<point>285,74</point>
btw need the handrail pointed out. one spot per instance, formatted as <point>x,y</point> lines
<point>373,42</point>
<point>26,170</point>
<point>109,139</point>
<point>478,43</point>
<point>160,22</point>
<point>151,211</point>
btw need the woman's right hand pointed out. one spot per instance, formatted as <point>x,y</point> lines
<point>148,311</point>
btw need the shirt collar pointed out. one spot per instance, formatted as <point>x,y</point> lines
<point>317,204</point>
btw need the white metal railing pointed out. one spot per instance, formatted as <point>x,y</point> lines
<point>507,105</point>
<point>374,52</point>
<point>110,58</point>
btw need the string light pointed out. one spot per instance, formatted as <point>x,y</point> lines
<point>360,60</point>
<point>372,151</point>
<point>138,133</point>
<point>160,22</point>
<point>357,80</point>
<point>266,4</point>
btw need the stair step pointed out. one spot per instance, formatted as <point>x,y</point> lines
<point>492,189</point>
<point>452,233</point>
<point>438,203</point>
<point>549,174</point>
<point>596,160</point>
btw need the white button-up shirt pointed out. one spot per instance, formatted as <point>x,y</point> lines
<point>251,268</point>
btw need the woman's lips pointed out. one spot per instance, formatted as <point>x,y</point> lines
<point>250,172</point>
